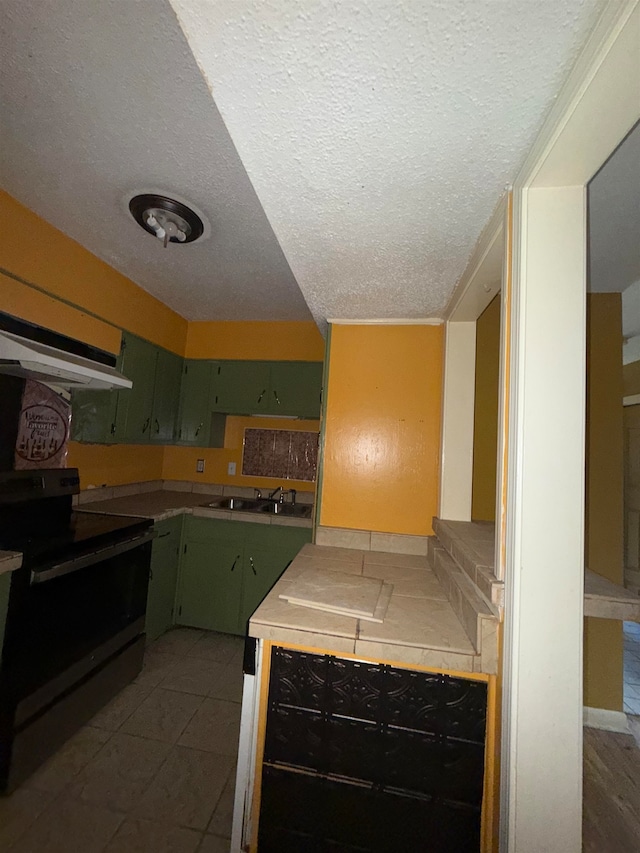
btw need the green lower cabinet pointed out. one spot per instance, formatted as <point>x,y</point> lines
<point>228,567</point>
<point>262,568</point>
<point>210,586</point>
<point>163,578</point>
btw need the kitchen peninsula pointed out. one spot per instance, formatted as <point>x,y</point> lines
<point>394,717</point>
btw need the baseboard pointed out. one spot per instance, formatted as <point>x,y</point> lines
<point>609,721</point>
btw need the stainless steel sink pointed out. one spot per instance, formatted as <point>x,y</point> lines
<point>245,504</point>
<point>261,505</point>
<point>295,510</point>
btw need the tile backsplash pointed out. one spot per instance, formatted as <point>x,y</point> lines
<point>284,454</point>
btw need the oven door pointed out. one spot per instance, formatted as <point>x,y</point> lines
<point>65,619</point>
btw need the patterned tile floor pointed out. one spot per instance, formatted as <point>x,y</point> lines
<point>153,772</point>
<point>632,668</point>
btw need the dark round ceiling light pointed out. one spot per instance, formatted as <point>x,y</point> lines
<point>167,219</point>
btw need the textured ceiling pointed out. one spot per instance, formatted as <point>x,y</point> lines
<point>380,134</point>
<point>103,97</point>
<point>378,137</point>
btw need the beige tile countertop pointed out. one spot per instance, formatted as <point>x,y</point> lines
<point>158,505</point>
<point>9,561</point>
<point>420,627</point>
<point>164,503</point>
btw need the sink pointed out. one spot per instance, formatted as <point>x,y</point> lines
<point>295,510</point>
<point>261,505</point>
<point>245,504</point>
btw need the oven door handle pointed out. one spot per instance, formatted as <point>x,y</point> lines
<point>81,562</point>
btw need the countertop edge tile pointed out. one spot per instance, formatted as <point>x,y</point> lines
<point>10,561</point>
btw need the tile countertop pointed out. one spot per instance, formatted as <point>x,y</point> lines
<point>420,627</point>
<point>164,503</point>
<point>9,561</point>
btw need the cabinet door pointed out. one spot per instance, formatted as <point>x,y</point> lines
<point>133,418</point>
<point>210,586</point>
<point>240,387</point>
<point>289,540</point>
<point>295,388</point>
<point>262,568</point>
<point>165,555</point>
<point>93,416</point>
<point>195,408</point>
<point>93,413</point>
<point>166,397</point>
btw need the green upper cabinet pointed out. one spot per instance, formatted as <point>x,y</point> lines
<point>240,387</point>
<point>133,417</point>
<point>195,403</point>
<point>93,416</point>
<point>199,425</point>
<point>295,388</point>
<point>185,401</point>
<point>93,413</point>
<point>166,396</point>
<point>267,388</point>
<point>148,412</point>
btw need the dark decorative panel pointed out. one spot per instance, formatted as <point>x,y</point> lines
<point>437,766</point>
<point>426,702</point>
<point>298,680</point>
<point>296,737</point>
<point>357,689</point>
<point>305,813</point>
<point>280,453</point>
<point>405,750</point>
<point>440,704</point>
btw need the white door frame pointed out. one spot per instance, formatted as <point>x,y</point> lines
<point>541,773</point>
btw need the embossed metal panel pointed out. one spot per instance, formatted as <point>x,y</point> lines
<point>397,742</point>
<point>309,814</point>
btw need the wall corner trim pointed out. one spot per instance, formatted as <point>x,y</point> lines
<point>608,721</point>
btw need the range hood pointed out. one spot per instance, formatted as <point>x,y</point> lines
<point>33,360</point>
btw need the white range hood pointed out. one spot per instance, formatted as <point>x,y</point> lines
<point>32,360</point>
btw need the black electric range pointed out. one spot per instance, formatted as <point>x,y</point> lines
<point>74,628</point>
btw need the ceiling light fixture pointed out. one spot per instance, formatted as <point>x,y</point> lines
<point>166,218</point>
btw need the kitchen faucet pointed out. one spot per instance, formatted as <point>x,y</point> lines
<point>272,494</point>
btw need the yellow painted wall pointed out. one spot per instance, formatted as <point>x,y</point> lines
<point>180,462</point>
<point>45,258</point>
<point>382,430</point>
<point>115,465</point>
<point>270,341</point>
<point>603,644</point>
<point>485,420</point>
<point>631,378</point>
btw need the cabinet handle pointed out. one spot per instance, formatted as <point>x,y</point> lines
<point>113,429</point>
<point>150,573</point>
<point>253,568</point>
<point>262,393</point>
<point>162,535</point>
<point>157,425</point>
<point>234,562</point>
<point>145,425</point>
<point>200,425</point>
<point>275,394</point>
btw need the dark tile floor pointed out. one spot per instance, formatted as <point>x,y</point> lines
<point>153,772</point>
